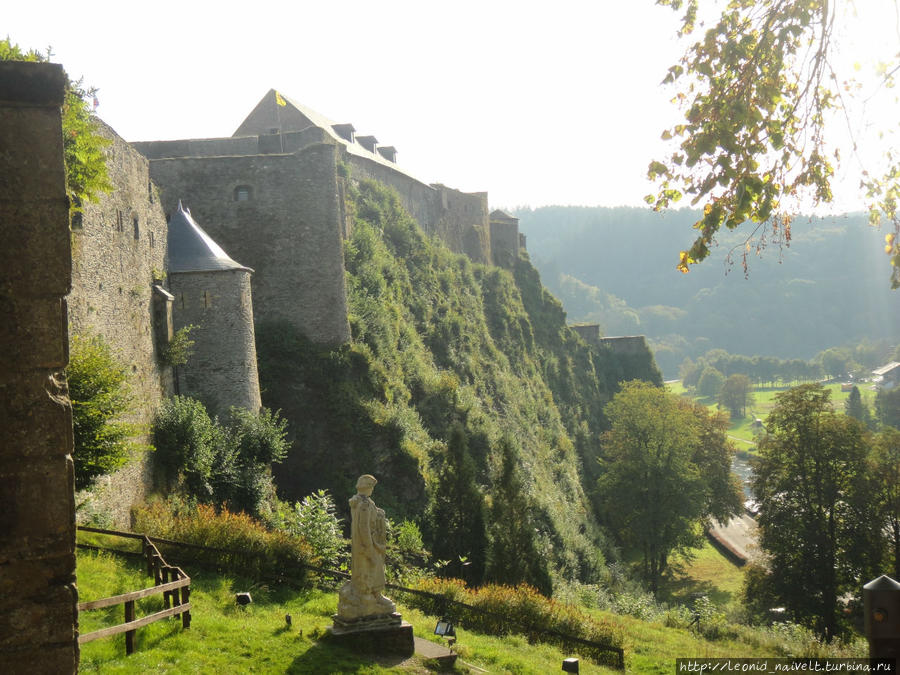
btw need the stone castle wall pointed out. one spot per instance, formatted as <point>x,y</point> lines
<point>221,372</point>
<point>119,245</point>
<point>289,230</point>
<point>38,624</point>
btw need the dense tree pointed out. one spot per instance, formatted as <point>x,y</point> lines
<point>666,471</point>
<point>513,554</point>
<point>455,518</point>
<point>101,400</point>
<point>856,409</point>
<point>735,394</point>
<point>815,522</point>
<point>710,382</point>
<point>887,404</point>
<point>885,464</point>
<point>757,89</point>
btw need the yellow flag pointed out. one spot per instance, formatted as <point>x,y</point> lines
<point>279,99</point>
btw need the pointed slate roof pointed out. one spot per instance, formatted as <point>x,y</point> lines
<point>192,250</point>
<point>290,115</point>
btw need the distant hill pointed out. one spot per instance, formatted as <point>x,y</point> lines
<point>616,267</point>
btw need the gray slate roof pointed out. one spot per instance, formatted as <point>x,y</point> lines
<point>192,250</point>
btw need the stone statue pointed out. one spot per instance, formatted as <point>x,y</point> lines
<point>361,598</point>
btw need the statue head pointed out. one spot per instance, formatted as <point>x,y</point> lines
<point>366,484</point>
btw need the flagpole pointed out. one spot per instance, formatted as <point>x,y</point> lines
<point>278,119</point>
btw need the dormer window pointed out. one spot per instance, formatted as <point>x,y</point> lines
<point>243,193</point>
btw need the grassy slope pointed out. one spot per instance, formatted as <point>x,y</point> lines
<point>741,430</point>
<point>225,638</point>
<point>437,339</point>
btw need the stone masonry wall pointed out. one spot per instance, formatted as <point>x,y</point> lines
<point>221,372</point>
<point>289,231</point>
<point>118,248</point>
<point>38,624</point>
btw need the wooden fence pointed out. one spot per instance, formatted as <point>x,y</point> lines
<point>171,582</point>
<point>614,656</point>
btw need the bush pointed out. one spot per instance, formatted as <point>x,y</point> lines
<point>98,389</point>
<point>188,443</point>
<point>315,520</point>
<point>248,546</point>
<point>501,610</point>
<point>216,464</point>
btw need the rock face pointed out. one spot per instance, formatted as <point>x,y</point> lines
<point>38,625</point>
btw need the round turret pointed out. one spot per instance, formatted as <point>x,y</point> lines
<point>212,294</point>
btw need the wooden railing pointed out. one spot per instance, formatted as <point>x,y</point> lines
<point>171,582</point>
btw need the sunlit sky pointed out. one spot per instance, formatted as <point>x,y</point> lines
<point>535,103</point>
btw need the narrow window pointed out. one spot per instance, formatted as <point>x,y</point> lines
<point>206,299</point>
<point>77,215</point>
<point>119,220</point>
<point>242,193</point>
<point>137,229</point>
<point>152,242</point>
<point>182,301</point>
<point>150,190</point>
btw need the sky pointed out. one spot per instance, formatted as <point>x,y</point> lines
<point>535,103</point>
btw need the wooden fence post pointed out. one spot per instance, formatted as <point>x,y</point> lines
<point>185,599</point>
<point>129,635</point>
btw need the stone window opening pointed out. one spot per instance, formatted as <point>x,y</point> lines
<point>206,299</point>
<point>152,242</point>
<point>243,193</point>
<point>77,215</point>
<point>119,226</point>
<point>182,300</point>
<point>137,229</point>
<point>150,190</point>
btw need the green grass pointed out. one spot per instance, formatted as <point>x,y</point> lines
<point>742,431</point>
<point>708,572</point>
<point>226,639</point>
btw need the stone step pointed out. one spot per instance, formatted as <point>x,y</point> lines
<point>435,652</point>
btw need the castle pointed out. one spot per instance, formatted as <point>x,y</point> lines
<point>191,224</point>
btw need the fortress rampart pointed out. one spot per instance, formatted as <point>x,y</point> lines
<point>279,215</point>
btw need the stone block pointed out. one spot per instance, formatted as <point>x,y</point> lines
<point>32,145</point>
<point>32,84</point>
<point>394,640</point>
<point>44,660</point>
<point>37,235</point>
<point>34,333</point>
<point>41,619</point>
<point>37,509</point>
<point>25,398</point>
<point>26,578</point>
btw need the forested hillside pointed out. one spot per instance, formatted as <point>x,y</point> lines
<point>616,267</point>
<point>460,379</point>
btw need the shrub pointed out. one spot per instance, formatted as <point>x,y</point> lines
<point>244,544</point>
<point>316,521</point>
<point>220,465</point>
<point>98,389</point>
<point>501,610</point>
<point>188,443</point>
<point>180,347</point>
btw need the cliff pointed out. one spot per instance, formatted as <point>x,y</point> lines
<point>437,339</point>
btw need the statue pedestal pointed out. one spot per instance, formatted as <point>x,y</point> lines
<point>388,634</point>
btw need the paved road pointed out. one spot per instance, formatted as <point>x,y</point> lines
<point>738,535</point>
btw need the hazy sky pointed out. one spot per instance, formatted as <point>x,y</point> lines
<point>535,103</point>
